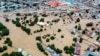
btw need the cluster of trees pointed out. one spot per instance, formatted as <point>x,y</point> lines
<point>89,24</point>
<point>8,42</point>
<point>4,30</point>
<point>17,22</point>
<point>48,37</point>
<point>40,30</point>
<point>57,50</point>
<point>40,47</point>
<point>27,30</point>
<point>2,49</point>
<point>45,36</point>
<point>32,23</point>
<point>12,54</point>
<point>69,50</point>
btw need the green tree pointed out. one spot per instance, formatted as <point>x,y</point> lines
<point>4,47</point>
<point>75,39</point>
<point>59,30</point>
<point>5,32</point>
<point>5,54</point>
<point>38,38</point>
<point>42,20</point>
<point>52,37</point>
<point>40,47</point>
<point>1,49</point>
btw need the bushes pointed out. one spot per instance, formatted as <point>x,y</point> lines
<point>89,24</point>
